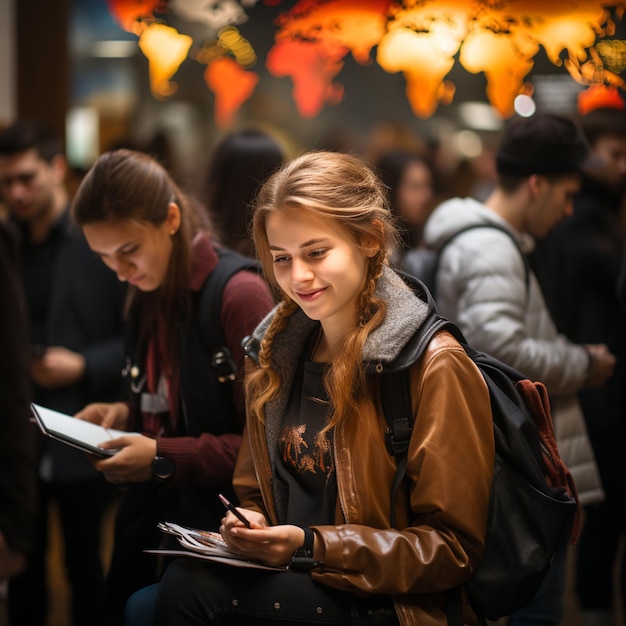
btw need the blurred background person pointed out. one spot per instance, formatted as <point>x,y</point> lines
<point>484,284</point>
<point>75,311</point>
<point>578,265</point>
<point>410,182</point>
<point>17,439</point>
<point>238,165</point>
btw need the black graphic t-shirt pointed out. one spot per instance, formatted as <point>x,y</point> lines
<point>306,463</point>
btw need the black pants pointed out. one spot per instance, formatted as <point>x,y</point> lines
<point>598,551</point>
<point>196,593</point>
<point>81,507</point>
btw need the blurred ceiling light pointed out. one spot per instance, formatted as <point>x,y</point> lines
<point>479,116</point>
<point>524,105</point>
<point>422,40</point>
<point>113,49</point>
<point>83,136</point>
<point>468,143</point>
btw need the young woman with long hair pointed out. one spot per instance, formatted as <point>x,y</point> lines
<point>313,476</point>
<point>144,228</point>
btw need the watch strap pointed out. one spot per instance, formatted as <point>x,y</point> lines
<point>302,559</point>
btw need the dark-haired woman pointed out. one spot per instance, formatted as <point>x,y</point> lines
<point>146,230</point>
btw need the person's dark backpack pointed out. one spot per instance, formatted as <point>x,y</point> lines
<point>533,505</point>
<point>209,382</point>
<point>230,262</point>
<point>203,382</point>
<point>423,263</point>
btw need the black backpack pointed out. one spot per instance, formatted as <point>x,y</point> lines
<point>533,506</point>
<point>209,383</point>
<point>230,262</point>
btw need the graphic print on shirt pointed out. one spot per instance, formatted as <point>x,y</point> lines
<point>303,455</point>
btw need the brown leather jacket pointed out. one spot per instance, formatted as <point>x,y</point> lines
<point>450,469</point>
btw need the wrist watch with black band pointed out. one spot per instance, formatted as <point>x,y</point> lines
<point>302,559</point>
<point>162,468</point>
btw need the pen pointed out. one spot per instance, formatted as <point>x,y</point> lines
<point>231,507</point>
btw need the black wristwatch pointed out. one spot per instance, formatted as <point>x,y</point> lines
<point>162,468</point>
<point>302,559</point>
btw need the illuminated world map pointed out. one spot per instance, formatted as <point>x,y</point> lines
<point>422,39</point>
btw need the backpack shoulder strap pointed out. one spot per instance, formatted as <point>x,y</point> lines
<point>395,392</point>
<point>508,233</point>
<point>210,308</point>
<point>395,395</point>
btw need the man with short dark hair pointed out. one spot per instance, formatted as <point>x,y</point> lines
<point>578,265</point>
<point>75,309</point>
<point>484,284</point>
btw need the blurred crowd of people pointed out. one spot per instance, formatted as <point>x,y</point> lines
<point>542,286</point>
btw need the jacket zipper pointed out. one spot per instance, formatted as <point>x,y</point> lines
<point>339,491</point>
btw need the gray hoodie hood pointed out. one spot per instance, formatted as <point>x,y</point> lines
<point>405,314</point>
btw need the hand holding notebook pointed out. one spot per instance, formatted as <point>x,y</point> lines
<point>77,433</point>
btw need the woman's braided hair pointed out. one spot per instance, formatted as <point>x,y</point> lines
<point>344,189</point>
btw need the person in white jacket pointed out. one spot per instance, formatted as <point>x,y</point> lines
<point>485,285</point>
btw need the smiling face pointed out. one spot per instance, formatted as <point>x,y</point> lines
<point>318,266</point>
<point>137,251</point>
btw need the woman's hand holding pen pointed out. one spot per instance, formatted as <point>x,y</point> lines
<point>272,545</point>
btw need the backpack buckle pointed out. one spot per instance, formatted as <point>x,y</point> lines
<point>395,446</point>
<point>223,364</point>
